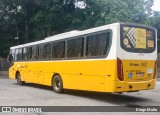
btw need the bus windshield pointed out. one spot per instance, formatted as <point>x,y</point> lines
<point>138,39</point>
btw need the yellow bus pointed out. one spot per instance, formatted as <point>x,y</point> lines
<point>119,57</point>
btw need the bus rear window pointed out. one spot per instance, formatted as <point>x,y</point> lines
<point>138,39</point>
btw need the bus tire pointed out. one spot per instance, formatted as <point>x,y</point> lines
<point>19,81</point>
<point>57,84</point>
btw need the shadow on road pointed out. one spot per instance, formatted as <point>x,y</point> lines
<point>38,86</point>
<point>113,98</point>
<point>124,99</point>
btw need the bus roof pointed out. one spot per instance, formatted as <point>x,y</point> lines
<point>64,35</point>
<point>70,35</point>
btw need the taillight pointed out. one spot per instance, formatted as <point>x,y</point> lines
<point>120,70</point>
<point>155,70</point>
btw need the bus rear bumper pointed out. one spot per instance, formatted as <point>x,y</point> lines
<point>134,86</point>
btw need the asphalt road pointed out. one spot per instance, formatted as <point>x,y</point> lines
<point>11,94</point>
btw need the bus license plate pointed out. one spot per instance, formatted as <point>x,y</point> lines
<point>140,74</point>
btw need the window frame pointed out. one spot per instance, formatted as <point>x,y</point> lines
<point>84,56</point>
<point>46,57</point>
<point>83,44</point>
<point>33,52</point>
<point>108,50</point>
<point>58,41</point>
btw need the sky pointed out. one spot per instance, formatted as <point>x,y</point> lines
<point>156,5</point>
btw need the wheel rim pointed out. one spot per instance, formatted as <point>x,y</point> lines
<point>57,84</point>
<point>19,79</point>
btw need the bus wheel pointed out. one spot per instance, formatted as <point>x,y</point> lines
<point>18,76</point>
<point>57,84</point>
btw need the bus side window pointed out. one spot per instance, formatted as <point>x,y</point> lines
<point>48,51</point>
<point>24,54</point>
<point>75,47</point>
<point>33,52</point>
<point>70,48</point>
<point>55,50</point>
<point>105,37</point>
<point>20,54</point>
<point>40,52</point>
<point>44,51</point>
<point>37,52</point>
<point>98,44</point>
<point>58,50</point>
<point>93,45</point>
<point>79,47</point>
<point>61,49</point>
<point>28,53</point>
<point>16,55</point>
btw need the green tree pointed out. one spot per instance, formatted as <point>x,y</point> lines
<point>33,20</point>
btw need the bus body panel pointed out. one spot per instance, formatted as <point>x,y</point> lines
<point>93,80</point>
<point>82,75</point>
<point>138,70</point>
